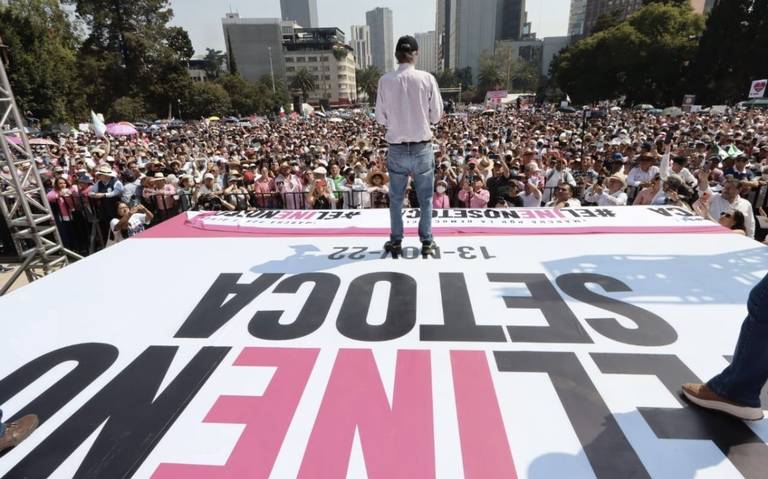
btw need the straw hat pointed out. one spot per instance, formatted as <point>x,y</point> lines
<point>373,174</point>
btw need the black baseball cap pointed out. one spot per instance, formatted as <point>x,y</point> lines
<point>407,44</point>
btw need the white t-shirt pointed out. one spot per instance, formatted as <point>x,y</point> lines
<point>136,225</point>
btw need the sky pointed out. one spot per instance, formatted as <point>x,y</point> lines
<point>202,18</point>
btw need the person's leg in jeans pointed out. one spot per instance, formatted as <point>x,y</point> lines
<point>736,390</point>
<point>397,166</point>
<point>743,380</point>
<point>424,179</point>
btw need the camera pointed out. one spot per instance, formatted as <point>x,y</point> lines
<point>600,180</point>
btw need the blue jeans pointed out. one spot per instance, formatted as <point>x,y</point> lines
<point>743,379</point>
<point>2,424</point>
<point>418,162</point>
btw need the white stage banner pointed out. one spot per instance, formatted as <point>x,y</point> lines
<point>301,357</point>
<point>537,221</point>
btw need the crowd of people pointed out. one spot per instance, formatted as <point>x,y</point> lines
<point>105,189</point>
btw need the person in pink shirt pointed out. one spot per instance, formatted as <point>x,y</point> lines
<point>440,198</point>
<point>263,188</point>
<point>475,196</point>
<point>63,199</point>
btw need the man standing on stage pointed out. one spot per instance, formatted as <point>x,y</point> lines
<point>408,102</point>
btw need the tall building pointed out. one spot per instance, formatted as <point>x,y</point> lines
<point>474,37</point>
<point>303,12</point>
<point>576,18</point>
<point>447,34</point>
<point>510,19</point>
<point>427,59</point>
<point>323,53</point>
<point>251,43</point>
<point>361,45</point>
<point>596,8</point>
<point>379,20</point>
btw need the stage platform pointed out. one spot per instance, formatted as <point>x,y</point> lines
<point>532,344</point>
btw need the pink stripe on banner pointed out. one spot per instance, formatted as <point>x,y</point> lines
<point>484,445</point>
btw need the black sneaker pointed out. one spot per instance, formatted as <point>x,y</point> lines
<point>428,247</point>
<point>395,248</point>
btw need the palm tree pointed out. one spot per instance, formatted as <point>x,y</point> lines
<point>305,82</point>
<point>368,82</point>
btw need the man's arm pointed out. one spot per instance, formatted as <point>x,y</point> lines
<point>618,200</point>
<point>381,114</point>
<point>749,222</point>
<point>116,191</point>
<point>435,102</point>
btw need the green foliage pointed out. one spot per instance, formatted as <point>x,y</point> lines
<point>501,71</point>
<point>368,82</point>
<point>447,79</point>
<point>732,51</point>
<point>304,82</point>
<point>127,108</point>
<point>246,98</point>
<point>204,99</point>
<point>42,58</point>
<point>465,77</point>
<point>643,57</point>
<point>214,60</point>
<point>132,51</point>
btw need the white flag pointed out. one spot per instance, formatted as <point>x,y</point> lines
<point>98,125</point>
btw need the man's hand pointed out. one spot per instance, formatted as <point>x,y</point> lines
<point>597,189</point>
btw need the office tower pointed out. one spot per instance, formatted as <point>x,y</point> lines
<point>379,20</point>
<point>596,8</point>
<point>447,34</point>
<point>303,12</point>
<point>576,18</point>
<point>475,38</point>
<point>323,53</point>
<point>251,43</point>
<point>361,44</point>
<point>510,19</point>
<point>427,59</point>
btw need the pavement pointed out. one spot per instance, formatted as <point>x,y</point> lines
<point>22,281</point>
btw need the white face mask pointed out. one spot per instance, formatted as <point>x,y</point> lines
<point>441,189</point>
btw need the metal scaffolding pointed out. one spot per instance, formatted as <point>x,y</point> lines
<point>23,201</point>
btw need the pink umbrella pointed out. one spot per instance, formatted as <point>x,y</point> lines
<point>121,129</point>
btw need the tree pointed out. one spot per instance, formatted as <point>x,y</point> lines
<point>447,79</point>
<point>489,77</point>
<point>304,82</point>
<point>42,44</point>
<point>204,99</point>
<point>368,82</point>
<point>214,60</point>
<point>730,51</point>
<point>278,98</point>
<point>643,58</point>
<point>246,98</point>
<point>128,108</point>
<point>132,51</point>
